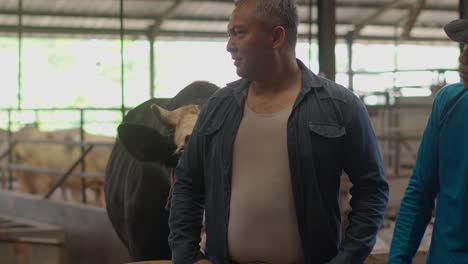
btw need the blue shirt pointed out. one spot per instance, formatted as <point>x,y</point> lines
<point>440,172</point>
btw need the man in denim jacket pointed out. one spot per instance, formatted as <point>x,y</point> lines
<point>266,156</point>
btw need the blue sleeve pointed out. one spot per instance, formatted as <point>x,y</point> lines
<point>418,201</point>
<point>186,213</point>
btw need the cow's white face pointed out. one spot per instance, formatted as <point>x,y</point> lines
<point>182,120</point>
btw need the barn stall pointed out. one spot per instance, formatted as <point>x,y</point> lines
<point>354,27</point>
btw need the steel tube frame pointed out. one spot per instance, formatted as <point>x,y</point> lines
<point>327,37</point>
<point>84,146</point>
<point>51,171</point>
<point>69,171</point>
<point>462,13</point>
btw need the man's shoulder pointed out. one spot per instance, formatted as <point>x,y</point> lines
<point>338,92</point>
<point>447,94</point>
<point>228,90</point>
<point>331,89</point>
<point>449,91</point>
<point>221,97</point>
<point>447,97</point>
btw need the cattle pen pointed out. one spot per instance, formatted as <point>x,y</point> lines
<point>84,229</point>
<point>79,140</point>
<point>72,70</point>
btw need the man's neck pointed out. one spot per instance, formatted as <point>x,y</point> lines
<point>276,92</point>
<point>280,77</point>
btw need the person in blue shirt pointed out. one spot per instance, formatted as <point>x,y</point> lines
<point>440,173</point>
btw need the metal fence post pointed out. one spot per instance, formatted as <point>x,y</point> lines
<point>10,154</point>
<point>83,164</point>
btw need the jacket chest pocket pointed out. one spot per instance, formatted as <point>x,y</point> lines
<point>213,134</point>
<point>326,140</point>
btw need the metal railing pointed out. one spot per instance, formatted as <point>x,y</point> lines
<point>85,146</point>
<point>396,139</point>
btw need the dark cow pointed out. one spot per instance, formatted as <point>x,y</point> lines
<point>137,178</point>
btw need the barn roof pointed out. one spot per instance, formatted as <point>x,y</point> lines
<point>207,19</point>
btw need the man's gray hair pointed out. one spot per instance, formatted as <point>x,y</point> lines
<point>279,12</point>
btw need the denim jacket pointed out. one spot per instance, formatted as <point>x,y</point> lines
<point>328,132</point>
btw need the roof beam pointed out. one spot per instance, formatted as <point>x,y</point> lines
<point>375,4</point>
<point>113,32</point>
<point>220,20</point>
<point>156,26</point>
<point>370,4</point>
<point>413,16</point>
<point>361,24</point>
<point>71,14</point>
<point>137,32</point>
<point>222,36</point>
<point>70,30</point>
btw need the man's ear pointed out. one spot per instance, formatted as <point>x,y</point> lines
<point>279,36</point>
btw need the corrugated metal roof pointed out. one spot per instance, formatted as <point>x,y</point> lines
<point>208,19</point>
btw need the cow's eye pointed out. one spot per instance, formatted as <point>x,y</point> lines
<point>187,137</point>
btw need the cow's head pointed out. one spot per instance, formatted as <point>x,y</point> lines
<point>151,133</point>
<point>181,121</point>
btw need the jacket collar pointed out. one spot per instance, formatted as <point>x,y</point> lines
<point>309,81</point>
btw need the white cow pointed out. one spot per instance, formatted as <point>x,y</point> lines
<point>58,157</point>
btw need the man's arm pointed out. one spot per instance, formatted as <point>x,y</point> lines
<point>418,201</point>
<point>186,213</point>
<point>363,164</point>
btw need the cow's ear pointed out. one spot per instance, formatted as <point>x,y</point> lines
<point>167,117</point>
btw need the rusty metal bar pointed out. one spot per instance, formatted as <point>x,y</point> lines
<point>463,14</point>
<point>20,54</point>
<point>33,240</point>
<point>309,37</point>
<point>8,150</point>
<point>82,144</point>
<point>327,37</point>
<point>414,14</point>
<point>36,116</point>
<point>361,24</point>
<point>156,26</point>
<point>370,4</point>
<point>397,107</point>
<point>409,148</point>
<point>64,142</point>
<point>6,153</point>
<point>19,167</point>
<point>398,137</point>
<point>463,8</point>
<point>151,65</point>
<point>65,109</point>
<point>408,70</point>
<point>83,163</point>
<point>220,35</point>
<point>122,62</point>
<point>10,155</point>
<point>349,45</point>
